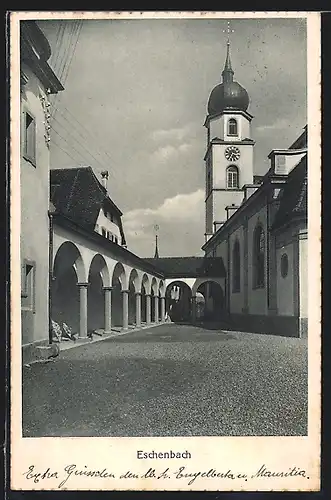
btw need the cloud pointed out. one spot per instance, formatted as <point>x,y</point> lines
<point>180,208</point>
<point>180,218</point>
<point>279,124</point>
<point>176,134</point>
<point>165,153</point>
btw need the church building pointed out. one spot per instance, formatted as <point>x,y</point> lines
<point>257,225</point>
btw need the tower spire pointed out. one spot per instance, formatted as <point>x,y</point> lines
<point>156,254</point>
<point>227,73</point>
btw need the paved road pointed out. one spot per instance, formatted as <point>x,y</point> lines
<point>171,380</point>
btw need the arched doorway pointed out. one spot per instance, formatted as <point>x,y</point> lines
<point>200,306</point>
<point>98,279</point>
<point>178,302</point>
<point>133,288</point>
<point>144,291</point>
<point>154,294</point>
<point>118,284</point>
<point>214,300</point>
<point>68,271</point>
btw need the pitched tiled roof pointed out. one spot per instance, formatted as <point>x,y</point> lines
<point>293,201</point>
<point>302,141</point>
<point>78,194</point>
<point>189,267</point>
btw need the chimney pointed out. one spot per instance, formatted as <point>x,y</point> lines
<point>104,179</point>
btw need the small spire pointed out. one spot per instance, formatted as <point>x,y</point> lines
<point>227,73</point>
<point>156,255</point>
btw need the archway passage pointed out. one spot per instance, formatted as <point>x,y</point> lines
<point>214,303</point>
<point>178,302</point>
<point>68,271</point>
<point>118,284</point>
<point>132,304</point>
<point>132,301</point>
<point>200,306</point>
<point>144,291</point>
<point>98,279</point>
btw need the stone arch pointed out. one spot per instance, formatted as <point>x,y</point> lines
<point>68,270</point>
<point>154,287</point>
<point>133,287</point>
<point>201,281</point>
<point>67,255</point>
<point>119,285</point>
<point>99,264</point>
<point>134,279</point>
<point>178,301</point>
<point>154,293</point>
<point>145,283</point>
<point>162,288</point>
<point>98,278</point>
<point>145,290</point>
<point>119,274</point>
<point>214,306</point>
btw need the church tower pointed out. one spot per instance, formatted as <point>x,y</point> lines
<point>229,155</point>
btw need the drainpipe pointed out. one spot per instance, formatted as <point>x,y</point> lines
<point>50,274</point>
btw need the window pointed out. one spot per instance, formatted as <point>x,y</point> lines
<point>232,127</point>
<point>28,286</point>
<point>284,265</point>
<point>232,175</point>
<point>116,239</point>
<point>236,267</point>
<point>104,232</point>
<point>29,148</point>
<point>112,217</point>
<point>258,257</point>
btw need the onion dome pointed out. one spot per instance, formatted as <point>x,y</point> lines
<point>228,94</point>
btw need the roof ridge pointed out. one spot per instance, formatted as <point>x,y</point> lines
<point>69,168</point>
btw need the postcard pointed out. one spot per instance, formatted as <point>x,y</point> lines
<point>165,251</point>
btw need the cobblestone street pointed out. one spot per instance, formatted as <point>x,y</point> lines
<point>172,380</point>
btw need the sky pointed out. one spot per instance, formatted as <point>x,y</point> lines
<point>135,102</point>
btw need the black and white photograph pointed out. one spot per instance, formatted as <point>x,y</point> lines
<point>163,258</point>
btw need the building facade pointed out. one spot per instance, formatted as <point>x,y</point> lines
<point>38,81</point>
<point>75,268</point>
<point>258,228</point>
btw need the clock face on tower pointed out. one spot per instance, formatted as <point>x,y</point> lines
<point>232,153</point>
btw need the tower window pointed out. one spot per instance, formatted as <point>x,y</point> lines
<point>232,127</point>
<point>258,257</point>
<point>232,175</point>
<point>236,267</point>
<point>29,147</point>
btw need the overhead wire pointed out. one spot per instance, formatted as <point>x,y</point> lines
<point>78,30</point>
<point>84,138</point>
<point>102,165</point>
<point>58,45</point>
<point>66,58</point>
<point>65,151</point>
<point>75,28</point>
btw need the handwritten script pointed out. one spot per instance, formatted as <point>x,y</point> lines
<point>183,474</point>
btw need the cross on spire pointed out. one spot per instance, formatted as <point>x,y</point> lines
<point>227,73</point>
<point>228,31</point>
